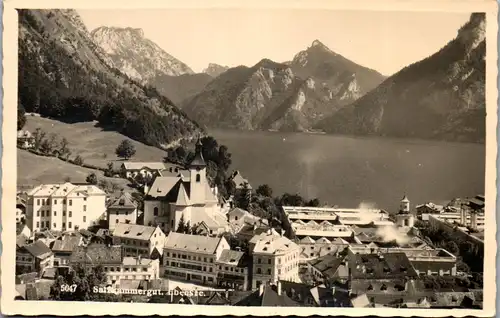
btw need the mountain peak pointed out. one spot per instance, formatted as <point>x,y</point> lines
<point>106,29</point>
<point>214,69</point>
<point>318,44</point>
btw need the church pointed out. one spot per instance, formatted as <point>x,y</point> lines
<point>186,195</point>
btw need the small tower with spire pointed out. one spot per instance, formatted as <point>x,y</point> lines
<point>198,174</point>
<point>404,218</point>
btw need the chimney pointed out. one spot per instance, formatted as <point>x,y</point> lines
<point>282,232</point>
<point>139,260</point>
<point>261,289</point>
<point>279,288</point>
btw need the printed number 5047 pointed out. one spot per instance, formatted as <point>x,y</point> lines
<point>68,288</point>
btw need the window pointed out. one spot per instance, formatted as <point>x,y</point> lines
<point>198,178</point>
<point>259,271</point>
<point>37,213</point>
<point>55,202</point>
<point>64,201</point>
<point>37,224</point>
<point>70,203</point>
<point>55,213</point>
<point>279,271</point>
<point>279,260</point>
<point>43,213</point>
<point>236,218</point>
<point>47,224</point>
<point>84,199</point>
<point>43,201</point>
<point>116,220</point>
<point>269,261</point>
<point>155,211</point>
<point>205,259</point>
<point>64,213</point>
<point>84,218</point>
<point>226,268</point>
<point>38,201</point>
<point>70,214</point>
<point>84,208</point>
<point>55,225</point>
<point>69,224</point>
<point>64,224</point>
<point>258,261</point>
<point>268,271</point>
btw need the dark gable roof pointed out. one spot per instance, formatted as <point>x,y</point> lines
<point>380,266</point>
<point>269,298</point>
<point>38,249</point>
<point>97,254</point>
<point>328,264</point>
<point>301,293</point>
<point>66,244</point>
<point>334,297</point>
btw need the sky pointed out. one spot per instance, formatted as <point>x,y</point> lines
<point>385,41</point>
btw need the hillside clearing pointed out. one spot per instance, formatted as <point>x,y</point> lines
<point>94,145</point>
<point>33,170</point>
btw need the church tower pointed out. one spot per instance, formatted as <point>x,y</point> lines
<point>198,172</point>
<point>404,218</point>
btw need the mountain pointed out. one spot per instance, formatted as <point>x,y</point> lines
<point>64,74</point>
<point>215,70</point>
<point>182,87</point>
<point>265,96</point>
<point>348,80</point>
<point>440,97</point>
<point>136,56</point>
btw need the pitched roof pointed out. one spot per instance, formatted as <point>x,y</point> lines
<point>140,165</point>
<point>198,160</point>
<point>67,243</point>
<point>192,243</point>
<point>268,298</point>
<point>270,243</point>
<point>38,249</point>
<point>182,197</point>
<point>162,186</point>
<point>360,301</point>
<point>382,265</point>
<point>231,257</point>
<point>97,254</point>
<point>124,201</point>
<point>328,264</point>
<point>133,231</point>
<point>239,181</point>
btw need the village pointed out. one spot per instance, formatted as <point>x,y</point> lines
<point>182,234</point>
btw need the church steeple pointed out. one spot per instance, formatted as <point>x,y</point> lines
<point>198,161</point>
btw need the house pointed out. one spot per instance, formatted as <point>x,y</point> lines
<point>146,241</point>
<point>239,181</point>
<point>275,258</point>
<point>232,270</point>
<point>194,258</point>
<point>64,207</point>
<point>117,266</point>
<point>122,210</point>
<point>185,196</point>
<point>20,209</point>
<point>329,268</point>
<point>34,257</point>
<point>25,139</point>
<point>64,246</point>
<point>23,229</point>
<point>130,170</point>
<point>268,295</point>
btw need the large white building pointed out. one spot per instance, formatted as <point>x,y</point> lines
<point>275,258</point>
<point>66,206</point>
<point>139,240</point>
<point>185,195</point>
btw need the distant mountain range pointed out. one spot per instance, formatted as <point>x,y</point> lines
<point>215,70</point>
<point>128,83</point>
<point>138,57</point>
<point>272,96</point>
<point>64,74</point>
<point>440,97</point>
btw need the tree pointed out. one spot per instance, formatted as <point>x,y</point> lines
<point>67,179</point>
<point>125,150</point>
<point>314,202</point>
<point>230,187</point>
<point>243,197</point>
<point>38,137</point>
<point>64,151</point>
<point>181,227</point>
<point>84,279</point>
<point>109,172</point>
<point>78,160</point>
<point>21,116</point>
<point>187,228</point>
<point>452,247</point>
<point>264,190</point>
<point>92,179</point>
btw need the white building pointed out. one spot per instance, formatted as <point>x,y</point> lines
<point>130,170</point>
<point>66,206</point>
<point>139,240</point>
<point>186,195</point>
<point>275,258</point>
<point>122,210</point>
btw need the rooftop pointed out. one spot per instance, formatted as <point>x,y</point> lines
<point>230,257</point>
<point>67,243</point>
<point>38,249</point>
<point>124,201</point>
<point>131,261</point>
<point>141,165</point>
<point>192,243</point>
<point>272,243</point>
<point>383,265</point>
<point>329,264</point>
<point>97,254</point>
<point>65,190</point>
<point>133,231</point>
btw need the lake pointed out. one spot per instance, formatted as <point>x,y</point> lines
<point>349,171</point>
